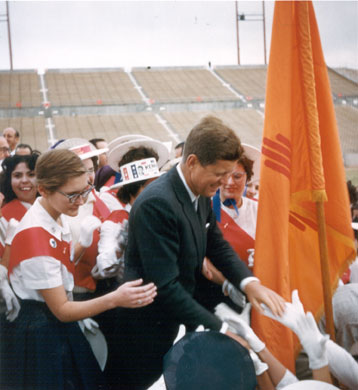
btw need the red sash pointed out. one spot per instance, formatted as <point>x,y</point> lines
<point>237,237</point>
<point>14,209</point>
<point>118,216</point>
<point>36,241</point>
<point>100,210</point>
<point>83,270</point>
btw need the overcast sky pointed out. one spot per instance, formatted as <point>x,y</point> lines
<point>82,34</point>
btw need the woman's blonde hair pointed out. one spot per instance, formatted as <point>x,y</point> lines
<point>55,167</point>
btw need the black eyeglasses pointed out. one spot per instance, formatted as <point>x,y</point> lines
<point>4,149</point>
<point>72,198</point>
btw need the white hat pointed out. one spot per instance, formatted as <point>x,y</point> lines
<point>309,384</point>
<point>137,171</point>
<point>83,148</point>
<point>125,138</point>
<point>121,145</point>
<point>171,163</point>
<point>253,154</point>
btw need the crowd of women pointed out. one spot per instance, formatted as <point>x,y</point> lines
<point>63,233</point>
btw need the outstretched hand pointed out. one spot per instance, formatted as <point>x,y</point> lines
<point>134,295</point>
<point>292,314</point>
<point>306,329</point>
<point>258,294</point>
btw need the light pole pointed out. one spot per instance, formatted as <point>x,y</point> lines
<point>6,18</point>
<point>250,18</point>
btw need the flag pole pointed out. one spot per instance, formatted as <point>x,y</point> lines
<point>312,122</point>
<point>325,273</point>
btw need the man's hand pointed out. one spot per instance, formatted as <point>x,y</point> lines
<point>257,294</point>
<point>212,273</point>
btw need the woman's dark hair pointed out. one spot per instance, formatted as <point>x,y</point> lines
<point>248,166</point>
<point>131,190</point>
<point>8,166</point>
<point>95,163</point>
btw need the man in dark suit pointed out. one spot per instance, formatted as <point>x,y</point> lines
<point>171,229</point>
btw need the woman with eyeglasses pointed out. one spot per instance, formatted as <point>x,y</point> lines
<point>18,184</point>
<point>236,214</point>
<point>44,346</point>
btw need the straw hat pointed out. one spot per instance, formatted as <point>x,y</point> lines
<point>137,171</point>
<point>121,145</point>
<point>83,148</point>
<point>253,154</point>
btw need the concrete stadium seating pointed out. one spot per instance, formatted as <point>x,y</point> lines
<point>19,89</point>
<point>88,88</point>
<point>181,85</point>
<point>164,103</point>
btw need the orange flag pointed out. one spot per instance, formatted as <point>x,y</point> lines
<point>301,164</point>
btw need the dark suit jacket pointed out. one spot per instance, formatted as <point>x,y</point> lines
<point>167,243</point>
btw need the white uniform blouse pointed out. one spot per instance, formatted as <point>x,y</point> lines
<point>42,272</point>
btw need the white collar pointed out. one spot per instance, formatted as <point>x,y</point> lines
<point>49,223</point>
<point>193,197</point>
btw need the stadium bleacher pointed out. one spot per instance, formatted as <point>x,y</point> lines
<point>160,102</point>
<point>19,89</point>
<point>181,85</point>
<point>88,88</point>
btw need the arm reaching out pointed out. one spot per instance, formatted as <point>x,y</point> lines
<point>130,294</point>
<point>306,329</point>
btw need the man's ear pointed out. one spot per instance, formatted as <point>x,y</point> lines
<point>191,161</point>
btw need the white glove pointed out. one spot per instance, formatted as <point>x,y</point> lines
<point>108,264</point>
<point>313,341</point>
<point>6,293</point>
<point>260,367</point>
<point>108,272</point>
<point>239,326</point>
<point>235,295</point>
<point>88,325</point>
<point>88,226</point>
<point>10,230</point>
<point>250,259</point>
<point>306,329</point>
<point>123,236</point>
<point>291,315</point>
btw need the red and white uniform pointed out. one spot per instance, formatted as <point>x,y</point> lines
<point>94,206</point>
<point>40,255</point>
<point>239,230</point>
<point>14,209</point>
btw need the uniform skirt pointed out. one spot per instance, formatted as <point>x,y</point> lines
<point>37,351</point>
